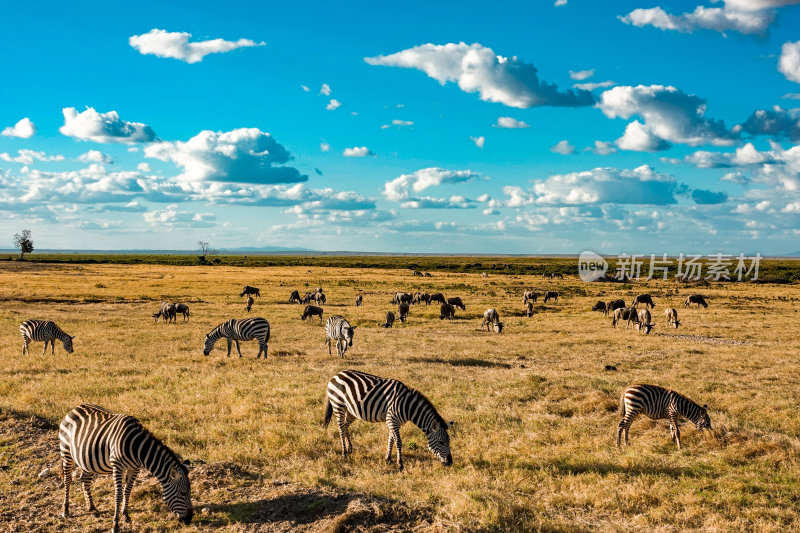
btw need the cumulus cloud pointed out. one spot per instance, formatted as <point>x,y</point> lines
<point>143,167</point>
<point>28,157</point>
<point>479,141</point>
<point>510,123</point>
<point>96,156</point>
<point>176,45</point>
<point>90,125</point>
<point>324,146</point>
<point>174,217</point>
<point>789,62</point>
<point>333,104</point>
<point>670,116</point>
<point>243,155</point>
<point>325,89</point>
<point>776,122</point>
<point>602,148</point>
<point>749,17</point>
<point>407,187</point>
<point>746,155</point>
<point>398,123</point>
<point>24,129</point>
<point>706,197</point>
<point>476,68</point>
<point>357,151</point>
<point>563,148</point>
<point>641,185</point>
<point>581,74</point>
<point>560,3</point>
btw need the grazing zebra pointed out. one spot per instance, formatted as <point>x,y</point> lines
<point>234,330</point>
<point>389,320</point>
<point>356,395</point>
<point>101,442</point>
<point>359,300</point>
<point>43,330</point>
<point>249,302</point>
<point>340,330</point>
<point>657,403</point>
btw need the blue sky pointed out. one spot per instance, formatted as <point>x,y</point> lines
<point>520,127</point>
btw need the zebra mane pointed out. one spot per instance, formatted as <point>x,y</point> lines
<point>691,403</point>
<point>425,401</point>
<point>167,450</point>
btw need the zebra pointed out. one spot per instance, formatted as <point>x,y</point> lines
<point>249,302</point>
<point>355,395</point>
<point>340,330</point>
<point>657,403</point>
<point>101,442</point>
<point>234,330</point>
<point>44,330</point>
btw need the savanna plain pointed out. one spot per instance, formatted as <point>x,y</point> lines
<point>536,408</point>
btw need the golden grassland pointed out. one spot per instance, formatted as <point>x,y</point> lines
<point>536,410</point>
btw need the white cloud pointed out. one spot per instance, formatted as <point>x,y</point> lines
<point>476,68</point>
<point>325,89</point>
<point>563,148</point>
<point>143,167</point>
<point>406,187</point>
<point>243,155</point>
<point>479,141</point>
<point>174,217</point>
<point>24,129</point>
<point>591,86</point>
<point>398,123</point>
<point>791,96</point>
<point>776,122</point>
<point>602,148</point>
<point>96,156</point>
<point>749,17</point>
<point>103,127</point>
<point>510,123</point>
<point>746,155</point>
<point>789,62</point>
<point>581,74</point>
<point>670,116</point>
<point>333,104</point>
<point>560,3</point>
<point>176,45</point>
<point>357,151</point>
<point>324,146</point>
<point>28,157</point>
<point>305,88</point>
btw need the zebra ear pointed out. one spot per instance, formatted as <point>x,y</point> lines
<point>173,474</point>
<point>72,337</point>
<point>434,426</point>
<point>705,406</point>
<point>354,327</point>
<point>451,424</point>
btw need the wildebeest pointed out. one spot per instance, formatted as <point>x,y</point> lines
<point>672,317</point>
<point>402,311</point>
<point>645,321</point>
<point>447,311</point>
<point>428,275</point>
<point>295,297</point>
<point>250,290</point>
<point>312,311</point>
<point>167,311</point>
<point>529,310</point>
<point>613,305</point>
<point>456,301</point>
<point>529,295</point>
<point>402,297</point>
<point>319,298</point>
<point>624,314</point>
<point>249,303</point>
<point>421,297</point>
<point>695,299</point>
<point>359,300</point>
<point>318,290</point>
<point>416,273</point>
<point>556,276</point>
<point>389,320</point>
<point>491,318</point>
<point>438,297</point>
<point>645,299</point>
<point>182,309</point>
<point>309,297</point>
<point>550,295</point>
<point>600,306</point>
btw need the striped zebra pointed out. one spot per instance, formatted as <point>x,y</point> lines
<point>356,395</point>
<point>234,330</point>
<point>657,403</point>
<point>101,442</point>
<point>43,330</point>
<point>338,329</point>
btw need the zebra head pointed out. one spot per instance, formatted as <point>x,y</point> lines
<point>703,420</point>
<point>209,344</point>
<point>439,441</point>
<point>348,334</point>
<point>177,492</point>
<point>67,342</point>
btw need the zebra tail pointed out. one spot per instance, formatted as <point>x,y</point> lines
<point>328,413</point>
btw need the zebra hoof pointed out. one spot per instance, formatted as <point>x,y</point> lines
<point>65,514</point>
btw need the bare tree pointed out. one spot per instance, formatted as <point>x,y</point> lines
<point>23,242</point>
<point>205,250</point>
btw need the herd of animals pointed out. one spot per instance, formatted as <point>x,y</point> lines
<point>94,441</point>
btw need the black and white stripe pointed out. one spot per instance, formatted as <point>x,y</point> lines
<point>235,330</point>
<point>338,329</point>
<point>355,395</point>
<point>657,402</point>
<point>101,442</point>
<point>43,330</point>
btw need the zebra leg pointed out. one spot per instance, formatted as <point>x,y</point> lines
<point>341,421</point>
<point>625,425</point>
<point>126,496</point>
<point>328,342</point>
<point>118,473</point>
<point>676,433</point>
<point>86,480</point>
<point>229,347</point>
<point>348,420</point>
<point>239,349</point>
<point>25,346</point>
<point>389,447</point>
<point>66,474</point>
<point>44,352</point>
<point>52,346</point>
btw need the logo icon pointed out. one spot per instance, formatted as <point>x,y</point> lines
<point>591,266</point>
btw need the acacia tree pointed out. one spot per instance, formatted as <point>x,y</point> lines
<point>205,249</point>
<point>23,242</point>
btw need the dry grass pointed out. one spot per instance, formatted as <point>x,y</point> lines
<point>535,408</point>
